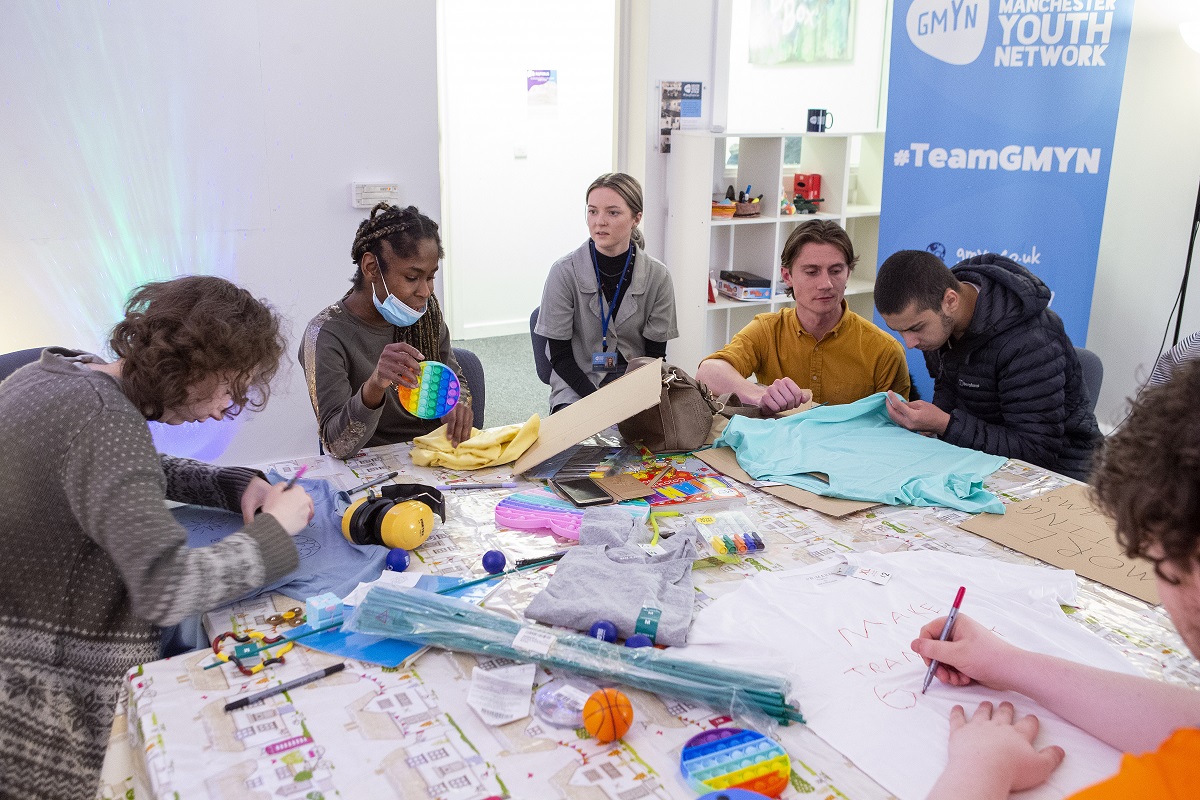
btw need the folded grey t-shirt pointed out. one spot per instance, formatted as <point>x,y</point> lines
<point>609,577</point>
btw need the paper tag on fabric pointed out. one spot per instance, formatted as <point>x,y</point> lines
<point>535,639</point>
<point>501,695</point>
<point>764,484</point>
<point>647,622</point>
<point>871,574</point>
<point>652,549</point>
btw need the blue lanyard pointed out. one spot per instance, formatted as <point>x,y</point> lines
<point>605,316</point>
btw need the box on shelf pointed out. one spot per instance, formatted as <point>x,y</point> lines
<point>807,186</point>
<point>742,285</point>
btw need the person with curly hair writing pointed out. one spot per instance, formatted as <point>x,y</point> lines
<point>95,565</point>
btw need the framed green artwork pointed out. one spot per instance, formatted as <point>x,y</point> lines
<point>801,31</point>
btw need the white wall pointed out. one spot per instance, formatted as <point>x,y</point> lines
<point>1151,202</point>
<point>149,138</point>
<point>510,216</point>
<point>775,98</point>
<point>682,43</point>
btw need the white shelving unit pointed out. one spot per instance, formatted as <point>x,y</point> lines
<point>698,246</point>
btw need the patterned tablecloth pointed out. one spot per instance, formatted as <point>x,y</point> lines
<point>370,732</point>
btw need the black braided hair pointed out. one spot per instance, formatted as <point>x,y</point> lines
<point>402,228</point>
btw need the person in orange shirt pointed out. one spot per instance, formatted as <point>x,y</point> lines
<point>1147,479</point>
<point>819,350</point>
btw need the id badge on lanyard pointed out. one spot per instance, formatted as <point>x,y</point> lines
<point>604,361</point>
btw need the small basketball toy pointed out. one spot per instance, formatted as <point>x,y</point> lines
<point>493,562</point>
<point>735,758</point>
<point>435,394</point>
<point>397,559</point>
<point>607,715</point>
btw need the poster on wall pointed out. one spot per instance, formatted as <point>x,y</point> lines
<point>541,87</point>
<point>679,108</point>
<point>800,31</point>
<point>1000,128</point>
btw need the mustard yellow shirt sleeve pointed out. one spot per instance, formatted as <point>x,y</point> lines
<point>891,372</point>
<point>747,350</point>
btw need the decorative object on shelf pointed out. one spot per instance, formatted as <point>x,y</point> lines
<point>803,206</point>
<point>807,186</point>
<point>747,209</point>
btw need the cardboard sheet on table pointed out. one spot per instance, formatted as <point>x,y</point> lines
<point>623,486</point>
<point>634,391</point>
<point>1063,528</point>
<point>723,460</point>
<point>383,650</point>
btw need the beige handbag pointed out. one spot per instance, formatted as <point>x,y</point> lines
<point>683,418</point>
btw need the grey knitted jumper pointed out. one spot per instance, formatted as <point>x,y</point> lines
<point>93,564</point>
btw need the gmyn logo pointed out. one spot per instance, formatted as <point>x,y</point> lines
<point>949,30</point>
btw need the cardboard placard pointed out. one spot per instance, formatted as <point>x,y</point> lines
<point>723,460</point>
<point>634,391</point>
<point>1063,528</point>
<point>623,486</point>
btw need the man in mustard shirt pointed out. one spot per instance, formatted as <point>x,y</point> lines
<point>820,345</point>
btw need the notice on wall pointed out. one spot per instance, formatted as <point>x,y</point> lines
<point>680,107</point>
<point>541,87</point>
<point>1065,529</point>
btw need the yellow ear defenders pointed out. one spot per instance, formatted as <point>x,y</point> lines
<point>401,516</point>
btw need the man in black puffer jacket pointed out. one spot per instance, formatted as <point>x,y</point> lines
<point>1006,377</point>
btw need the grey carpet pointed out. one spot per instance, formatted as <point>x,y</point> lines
<point>514,392</point>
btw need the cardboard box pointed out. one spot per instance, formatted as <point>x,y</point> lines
<point>634,391</point>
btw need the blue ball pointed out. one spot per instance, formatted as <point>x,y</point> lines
<point>494,561</point>
<point>397,559</point>
<point>603,630</point>
<point>639,640</point>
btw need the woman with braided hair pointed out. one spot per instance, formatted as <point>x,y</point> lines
<point>608,301</point>
<point>356,351</point>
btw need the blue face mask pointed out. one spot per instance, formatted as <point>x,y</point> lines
<point>395,311</point>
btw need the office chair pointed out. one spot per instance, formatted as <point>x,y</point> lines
<point>541,350</point>
<point>11,362</point>
<point>1093,375</point>
<point>472,369</point>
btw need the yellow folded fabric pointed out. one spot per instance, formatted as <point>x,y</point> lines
<point>486,448</point>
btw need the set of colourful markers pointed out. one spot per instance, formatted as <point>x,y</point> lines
<point>738,543</point>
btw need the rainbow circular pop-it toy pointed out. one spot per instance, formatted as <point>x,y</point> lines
<point>436,392</point>
<point>735,758</point>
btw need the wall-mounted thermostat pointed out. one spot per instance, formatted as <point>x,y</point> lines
<point>366,195</point>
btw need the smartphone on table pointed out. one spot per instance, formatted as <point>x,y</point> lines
<point>582,492</point>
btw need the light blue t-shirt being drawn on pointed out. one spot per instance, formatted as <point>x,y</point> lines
<point>328,563</point>
<point>865,455</point>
